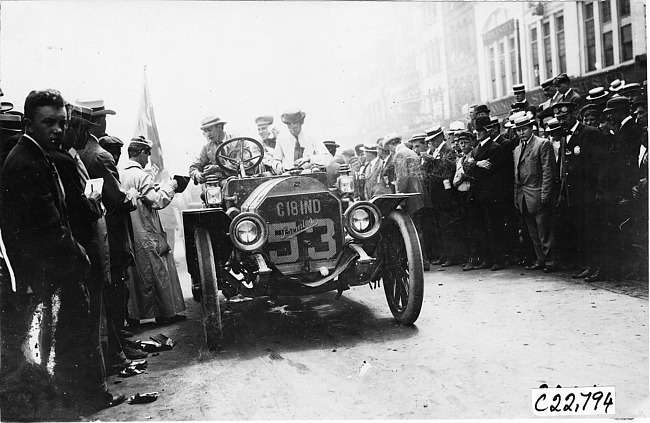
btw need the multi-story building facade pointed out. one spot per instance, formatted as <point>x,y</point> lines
<point>594,42</point>
<point>445,56</point>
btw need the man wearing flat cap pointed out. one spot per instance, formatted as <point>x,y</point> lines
<point>297,148</point>
<point>268,135</point>
<point>206,163</point>
<point>563,84</point>
<point>534,191</point>
<point>581,158</point>
<point>551,93</point>
<point>155,287</point>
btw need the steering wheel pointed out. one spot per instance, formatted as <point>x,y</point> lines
<point>239,155</point>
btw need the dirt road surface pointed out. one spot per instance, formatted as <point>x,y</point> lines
<point>483,341</point>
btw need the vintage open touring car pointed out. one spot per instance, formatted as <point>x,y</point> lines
<point>292,235</point>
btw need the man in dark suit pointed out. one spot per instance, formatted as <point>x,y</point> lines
<point>439,168</point>
<point>551,93</point>
<point>567,94</point>
<point>107,273</point>
<point>534,193</point>
<point>488,192</point>
<point>35,228</point>
<point>615,184</point>
<point>581,157</point>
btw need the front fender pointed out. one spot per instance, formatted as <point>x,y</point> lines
<point>388,202</point>
<point>217,222</point>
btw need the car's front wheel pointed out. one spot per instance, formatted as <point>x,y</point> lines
<point>403,273</point>
<point>209,289</point>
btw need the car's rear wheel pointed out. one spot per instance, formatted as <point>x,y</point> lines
<point>209,289</point>
<point>402,275</point>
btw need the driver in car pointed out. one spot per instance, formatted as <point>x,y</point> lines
<point>298,149</point>
<point>206,164</point>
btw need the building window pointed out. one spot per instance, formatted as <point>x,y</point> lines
<point>561,49</point>
<point>493,74</point>
<point>548,53</point>
<point>514,77</point>
<point>533,49</point>
<point>502,68</point>
<point>605,11</point>
<point>624,8</point>
<point>626,43</point>
<point>590,36</point>
<point>608,48</point>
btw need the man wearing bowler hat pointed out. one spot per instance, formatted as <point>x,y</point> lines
<point>206,163</point>
<point>298,149</point>
<point>488,192</point>
<point>534,191</point>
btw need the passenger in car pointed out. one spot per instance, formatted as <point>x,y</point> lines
<point>298,149</point>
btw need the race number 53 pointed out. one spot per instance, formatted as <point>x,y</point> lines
<point>574,401</point>
<point>283,240</point>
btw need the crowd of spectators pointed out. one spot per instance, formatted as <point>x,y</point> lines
<point>561,185</point>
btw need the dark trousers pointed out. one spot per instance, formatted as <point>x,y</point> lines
<point>445,223</point>
<point>114,304</point>
<point>45,345</point>
<point>469,233</point>
<point>491,225</point>
<point>542,233</point>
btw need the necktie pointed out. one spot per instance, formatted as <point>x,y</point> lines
<point>297,150</point>
<point>81,169</point>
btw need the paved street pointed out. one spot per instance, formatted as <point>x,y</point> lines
<point>483,341</point>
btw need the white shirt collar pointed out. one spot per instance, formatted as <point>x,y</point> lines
<point>37,144</point>
<point>482,143</point>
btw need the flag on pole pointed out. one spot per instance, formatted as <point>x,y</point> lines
<point>146,126</point>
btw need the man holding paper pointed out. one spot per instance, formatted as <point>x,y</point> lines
<point>154,285</point>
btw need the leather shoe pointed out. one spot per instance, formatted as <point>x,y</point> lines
<point>469,266</point>
<point>535,266</point>
<point>116,399</point>
<point>498,267</point>
<point>173,319</point>
<point>585,273</point>
<point>598,276</point>
<point>448,263</point>
<point>437,262</point>
<point>134,353</point>
<point>549,269</point>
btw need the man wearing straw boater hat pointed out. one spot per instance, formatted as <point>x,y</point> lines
<point>534,193</point>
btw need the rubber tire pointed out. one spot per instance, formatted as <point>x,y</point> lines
<point>409,314</point>
<point>210,307</point>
